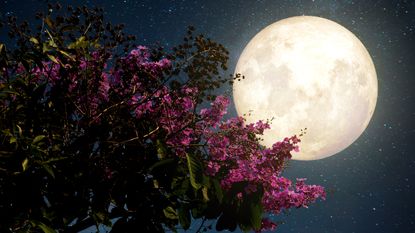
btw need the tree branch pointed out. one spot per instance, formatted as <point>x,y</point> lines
<point>107,109</point>
<point>136,138</point>
<point>201,225</point>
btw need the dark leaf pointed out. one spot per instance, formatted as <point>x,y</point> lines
<point>53,58</point>
<point>170,213</point>
<point>226,222</point>
<point>42,226</point>
<point>49,170</point>
<point>196,170</point>
<point>120,226</point>
<point>162,163</point>
<point>37,139</point>
<point>25,164</point>
<point>218,190</point>
<point>161,149</point>
<point>184,218</point>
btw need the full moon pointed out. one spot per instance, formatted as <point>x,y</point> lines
<point>310,73</point>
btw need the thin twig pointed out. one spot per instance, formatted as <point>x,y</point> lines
<point>86,30</point>
<point>196,54</point>
<point>107,109</point>
<point>136,138</point>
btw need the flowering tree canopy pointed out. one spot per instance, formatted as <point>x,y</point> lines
<point>95,130</point>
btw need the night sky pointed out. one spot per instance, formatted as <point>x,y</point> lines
<point>372,183</point>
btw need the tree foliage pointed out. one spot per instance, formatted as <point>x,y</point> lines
<point>94,128</point>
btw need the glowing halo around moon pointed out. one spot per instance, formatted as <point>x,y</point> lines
<point>307,72</point>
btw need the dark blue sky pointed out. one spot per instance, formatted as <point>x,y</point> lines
<point>372,182</point>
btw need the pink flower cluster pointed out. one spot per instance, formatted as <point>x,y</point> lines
<point>234,152</point>
<point>92,83</point>
<point>139,59</point>
<point>267,225</point>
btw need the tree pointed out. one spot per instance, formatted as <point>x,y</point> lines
<point>94,128</point>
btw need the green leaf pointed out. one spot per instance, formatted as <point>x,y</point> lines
<point>161,150</point>
<point>79,43</point>
<point>218,190</point>
<point>20,130</point>
<point>162,163</point>
<point>46,229</point>
<point>184,218</point>
<point>25,164</point>
<point>7,132</point>
<point>45,47</point>
<point>196,171</point>
<point>49,170</point>
<point>156,184</point>
<point>205,193</point>
<point>53,58</point>
<point>255,216</point>
<point>101,217</point>
<point>52,44</point>
<point>37,139</point>
<point>96,44</point>
<point>198,212</point>
<point>180,186</point>
<point>13,140</point>
<point>170,213</point>
<point>34,40</point>
<point>82,38</point>
<point>66,54</point>
<point>43,227</point>
<point>250,214</point>
<point>2,46</point>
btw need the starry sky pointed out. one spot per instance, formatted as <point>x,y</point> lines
<point>372,183</point>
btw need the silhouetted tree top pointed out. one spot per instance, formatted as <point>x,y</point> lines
<point>97,130</point>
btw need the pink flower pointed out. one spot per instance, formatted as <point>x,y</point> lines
<point>140,52</point>
<point>267,225</point>
<point>239,195</point>
<point>83,65</point>
<point>104,87</point>
<point>186,136</point>
<point>212,168</point>
<point>187,103</point>
<point>164,63</point>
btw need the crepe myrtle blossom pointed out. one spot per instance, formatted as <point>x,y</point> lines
<point>234,154</point>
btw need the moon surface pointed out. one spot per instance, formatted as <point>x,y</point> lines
<point>307,72</point>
